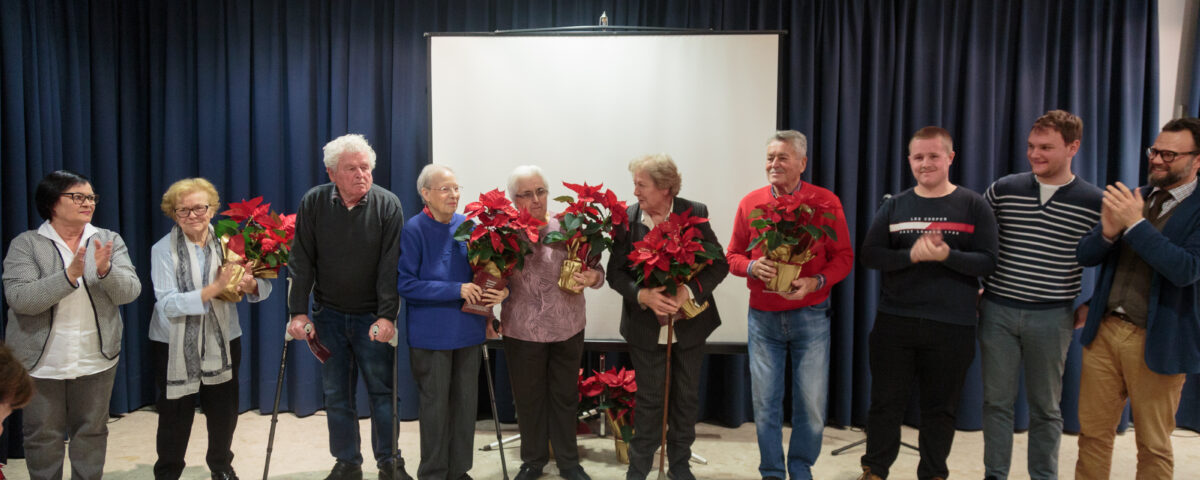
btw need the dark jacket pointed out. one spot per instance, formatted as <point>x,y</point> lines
<point>639,325</point>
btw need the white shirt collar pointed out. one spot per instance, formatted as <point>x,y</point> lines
<point>48,231</point>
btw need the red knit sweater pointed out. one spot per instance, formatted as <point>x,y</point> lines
<point>833,259</point>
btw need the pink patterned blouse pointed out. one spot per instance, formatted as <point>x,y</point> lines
<point>536,310</point>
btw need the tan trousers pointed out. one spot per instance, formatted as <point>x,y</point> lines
<point>1114,369</point>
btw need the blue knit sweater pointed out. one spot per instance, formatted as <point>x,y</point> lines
<point>431,271</point>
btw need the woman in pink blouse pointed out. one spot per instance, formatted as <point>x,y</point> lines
<point>543,339</point>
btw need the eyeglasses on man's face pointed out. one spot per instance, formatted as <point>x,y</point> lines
<point>528,194</point>
<point>197,210</point>
<point>81,198</point>
<point>1167,156</point>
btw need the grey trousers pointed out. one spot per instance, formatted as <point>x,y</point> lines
<point>76,409</point>
<point>448,381</point>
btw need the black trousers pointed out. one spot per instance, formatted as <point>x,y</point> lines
<point>545,379</point>
<point>220,405</point>
<point>683,410</point>
<point>934,354</point>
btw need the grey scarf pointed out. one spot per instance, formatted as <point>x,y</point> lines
<point>198,351</point>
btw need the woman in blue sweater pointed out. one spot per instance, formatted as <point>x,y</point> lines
<point>434,279</point>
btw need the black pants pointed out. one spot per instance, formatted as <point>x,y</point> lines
<point>684,408</point>
<point>220,405</point>
<point>934,354</point>
<point>544,379</point>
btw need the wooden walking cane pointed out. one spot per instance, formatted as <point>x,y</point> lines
<point>662,455</point>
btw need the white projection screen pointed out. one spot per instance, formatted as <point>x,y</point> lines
<point>582,106</point>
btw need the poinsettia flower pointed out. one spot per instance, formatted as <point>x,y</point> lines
<point>529,225</point>
<point>267,220</point>
<point>586,194</point>
<point>237,244</point>
<point>287,223</point>
<point>239,212</point>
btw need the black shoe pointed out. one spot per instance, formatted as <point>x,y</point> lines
<point>385,471</point>
<point>345,471</point>
<point>574,473</point>
<point>677,474</point>
<point>529,472</point>
<point>772,478</point>
<point>225,475</point>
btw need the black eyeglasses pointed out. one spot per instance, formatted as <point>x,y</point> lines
<point>541,192</point>
<point>1167,156</point>
<point>81,198</point>
<point>187,212</point>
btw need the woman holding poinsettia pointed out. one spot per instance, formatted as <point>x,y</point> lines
<point>646,311</point>
<point>195,335</point>
<point>543,339</point>
<point>434,278</point>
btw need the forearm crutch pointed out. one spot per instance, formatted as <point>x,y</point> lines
<point>287,339</point>
<point>495,416</point>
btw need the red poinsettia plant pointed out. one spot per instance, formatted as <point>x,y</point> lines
<point>498,236</point>
<point>261,238</point>
<point>611,391</point>
<point>673,252</point>
<point>588,222</point>
<point>788,227</point>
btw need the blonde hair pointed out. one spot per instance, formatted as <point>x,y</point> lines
<point>661,170</point>
<point>177,190</point>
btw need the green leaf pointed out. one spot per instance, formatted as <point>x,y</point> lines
<point>571,222</point>
<point>564,199</point>
<point>553,237</point>
<point>829,231</point>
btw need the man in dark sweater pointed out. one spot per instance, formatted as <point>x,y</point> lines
<point>932,243</point>
<point>1142,335</point>
<point>345,252</point>
<point>1026,312</point>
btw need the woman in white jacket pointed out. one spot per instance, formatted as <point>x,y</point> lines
<point>195,337</point>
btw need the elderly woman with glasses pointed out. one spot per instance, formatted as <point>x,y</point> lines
<point>543,340</point>
<point>195,337</point>
<point>64,283</point>
<point>434,278</point>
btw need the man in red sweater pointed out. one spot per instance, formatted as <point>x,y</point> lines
<point>796,321</point>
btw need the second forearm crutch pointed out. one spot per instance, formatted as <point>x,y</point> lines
<point>662,456</point>
<point>495,416</point>
<point>395,340</point>
<point>287,339</point>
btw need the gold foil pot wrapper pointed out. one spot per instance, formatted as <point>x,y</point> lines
<point>565,281</point>
<point>260,269</point>
<point>787,268</point>
<point>230,293</point>
<point>690,308</point>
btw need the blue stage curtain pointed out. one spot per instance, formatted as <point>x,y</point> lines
<point>139,93</point>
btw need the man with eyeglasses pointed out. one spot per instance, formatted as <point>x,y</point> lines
<point>346,248</point>
<point>1142,335</point>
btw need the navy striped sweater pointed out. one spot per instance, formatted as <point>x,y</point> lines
<point>1036,267</point>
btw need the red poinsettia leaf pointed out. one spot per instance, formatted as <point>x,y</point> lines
<point>237,244</point>
<point>242,210</point>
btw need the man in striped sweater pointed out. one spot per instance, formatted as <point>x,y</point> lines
<point>1026,312</point>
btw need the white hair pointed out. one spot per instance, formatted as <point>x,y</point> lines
<point>520,173</point>
<point>427,173</point>
<point>348,143</point>
<point>798,140</point>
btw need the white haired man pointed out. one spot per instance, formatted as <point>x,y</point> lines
<point>345,252</point>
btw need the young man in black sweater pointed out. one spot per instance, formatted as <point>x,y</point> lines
<point>932,242</point>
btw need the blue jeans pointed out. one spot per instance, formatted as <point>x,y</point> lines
<point>772,336</point>
<point>1039,338</point>
<point>346,335</point>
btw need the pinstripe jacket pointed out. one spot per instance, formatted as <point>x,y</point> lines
<point>35,281</point>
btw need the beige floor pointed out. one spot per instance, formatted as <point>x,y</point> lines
<point>300,452</point>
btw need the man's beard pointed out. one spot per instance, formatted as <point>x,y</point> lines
<point>1172,177</point>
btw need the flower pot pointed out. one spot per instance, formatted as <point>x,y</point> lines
<point>230,293</point>
<point>487,281</point>
<point>787,269</point>
<point>690,308</point>
<point>565,282</point>
<point>622,450</point>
